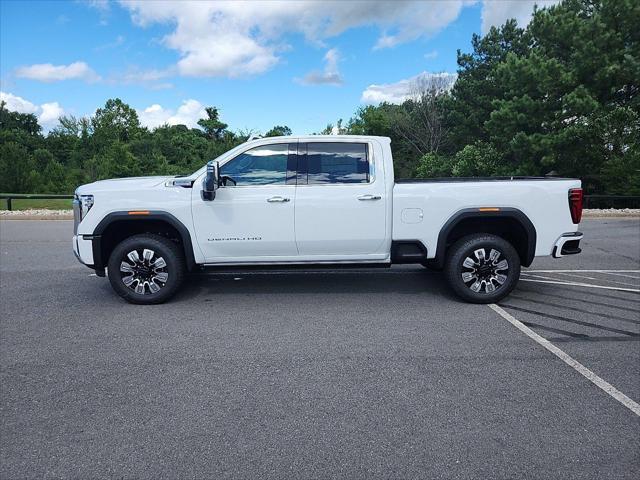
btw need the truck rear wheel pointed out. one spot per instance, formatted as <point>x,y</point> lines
<point>482,268</point>
<point>146,269</point>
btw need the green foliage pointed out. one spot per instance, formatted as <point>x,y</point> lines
<point>477,160</point>
<point>117,121</point>
<point>212,126</point>
<point>17,168</point>
<point>110,144</point>
<point>560,95</point>
<point>278,131</point>
<point>433,165</point>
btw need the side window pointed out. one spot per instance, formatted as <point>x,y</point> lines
<point>265,165</point>
<point>338,162</point>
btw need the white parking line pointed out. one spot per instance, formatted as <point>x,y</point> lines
<point>585,271</point>
<point>596,279</point>
<point>573,363</point>
<point>577,284</point>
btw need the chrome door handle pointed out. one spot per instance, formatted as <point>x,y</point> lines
<point>369,197</point>
<point>277,199</point>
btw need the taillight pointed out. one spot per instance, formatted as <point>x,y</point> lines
<point>575,204</point>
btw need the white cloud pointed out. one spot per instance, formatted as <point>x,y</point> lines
<point>17,104</point>
<point>330,75</point>
<point>431,54</point>
<point>46,72</point>
<point>102,5</point>
<point>405,89</point>
<point>187,114</point>
<point>243,38</point>
<point>150,78</point>
<point>47,113</point>
<point>495,13</point>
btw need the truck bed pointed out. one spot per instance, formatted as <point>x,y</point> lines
<point>422,206</point>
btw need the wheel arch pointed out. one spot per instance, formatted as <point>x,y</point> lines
<point>116,226</point>
<point>509,223</point>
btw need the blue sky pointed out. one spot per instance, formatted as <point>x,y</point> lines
<point>301,64</point>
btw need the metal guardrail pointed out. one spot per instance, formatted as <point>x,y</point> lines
<point>590,201</point>
<point>31,196</point>
<point>611,201</point>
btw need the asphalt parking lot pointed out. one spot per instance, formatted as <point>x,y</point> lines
<point>349,374</point>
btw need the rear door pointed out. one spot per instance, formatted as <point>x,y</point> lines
<point>340,201</point>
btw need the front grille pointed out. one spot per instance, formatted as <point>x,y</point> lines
<point>77,214</point>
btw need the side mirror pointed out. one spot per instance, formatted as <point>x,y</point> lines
<point>211,181</point>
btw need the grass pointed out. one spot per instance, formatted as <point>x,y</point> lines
<point>26,204</point>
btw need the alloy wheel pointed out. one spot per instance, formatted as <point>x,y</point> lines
<point>145,274</point>
<point>485,273</point>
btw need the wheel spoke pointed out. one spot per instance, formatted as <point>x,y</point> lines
<point>502,265</point>
<point>140,288</point>
<point>161,276</point>
<point>469,263</point>
<point>490,287</point>
<point>133,256</point>
<point>468,276</point>
<point>476,286</point>
<point>500,278</point>
<point>125,267</point>
<point>480,254</point>
<point>153,286</point>
<point>128,280</point>
<point>147,254</point>
<point>159,263</point>
<point>494,255</point>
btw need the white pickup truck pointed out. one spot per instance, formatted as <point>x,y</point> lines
<point>320,200</point>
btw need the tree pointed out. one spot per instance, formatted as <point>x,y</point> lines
<point>212,126</point>
<point>420,121</point>
<point>25,122</point>
<point>116,121</point>
<point>17,168</point>
<point>278,131</point>
<point>560,95</point>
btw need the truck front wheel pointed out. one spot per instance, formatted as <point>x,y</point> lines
<point>146,269</point>
<point>482,268</point>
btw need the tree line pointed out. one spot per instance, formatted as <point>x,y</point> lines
<point>558,97</point>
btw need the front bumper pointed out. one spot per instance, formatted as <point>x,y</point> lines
<point>567,244</point>
<point>83,250</point>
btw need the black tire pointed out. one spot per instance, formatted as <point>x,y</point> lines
<point>494,278</point>
<point>135,281</point>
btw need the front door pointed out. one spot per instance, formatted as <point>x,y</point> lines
<point>252,216</point>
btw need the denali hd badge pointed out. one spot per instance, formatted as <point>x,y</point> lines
<point>234,239</point>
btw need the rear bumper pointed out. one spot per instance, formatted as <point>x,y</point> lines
<point>567,244</point>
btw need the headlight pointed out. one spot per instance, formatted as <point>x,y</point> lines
<point>86,202</point>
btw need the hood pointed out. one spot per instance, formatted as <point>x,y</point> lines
<point>121,184</point>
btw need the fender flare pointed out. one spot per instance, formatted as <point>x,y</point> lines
<point>504,212</point>
<point>185,236</point>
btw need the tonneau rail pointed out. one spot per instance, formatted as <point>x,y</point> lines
<point>475,179</point>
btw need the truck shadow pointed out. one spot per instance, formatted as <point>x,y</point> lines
<point>407,282</point>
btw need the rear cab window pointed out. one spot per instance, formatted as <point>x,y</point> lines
<point>337,163</point>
